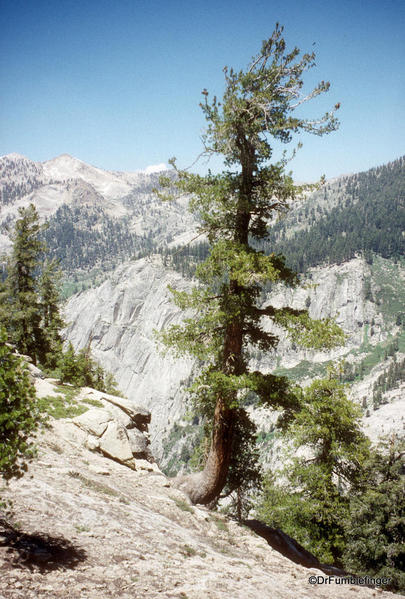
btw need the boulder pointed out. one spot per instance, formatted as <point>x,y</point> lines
<point>94,421</point>
<point>139,416</point>
<point>117,430</point>
<point>115,444</point>
<point>35,371</point>
<point>139,444</point>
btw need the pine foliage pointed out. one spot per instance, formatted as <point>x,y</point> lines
<point>19,416</point>
<point>29,299</point>
<point>326,458</point>
<point>375,531</point>
<point>21,307</point>
<point>81,370</point>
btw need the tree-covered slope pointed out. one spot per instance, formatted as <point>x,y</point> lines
<point>361,213</point>
<point>86,236</point>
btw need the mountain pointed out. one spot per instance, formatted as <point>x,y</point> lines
<point>364,212</point>
<point>96,218</point>
<point>346,239</point>
<point>357,214</point>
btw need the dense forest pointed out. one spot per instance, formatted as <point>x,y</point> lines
<point>370,219</point>
<point>85,236</point>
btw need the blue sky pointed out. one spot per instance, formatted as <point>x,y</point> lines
<point>117,83</point>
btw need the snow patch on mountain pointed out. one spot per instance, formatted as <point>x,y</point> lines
<point>155,168</point>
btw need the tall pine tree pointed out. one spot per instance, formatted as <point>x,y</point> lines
<point>29,297</point>
<point>234,209</point>
<point>22,297</point>
<point>310,500</point>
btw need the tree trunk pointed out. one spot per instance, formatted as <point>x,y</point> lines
<point>205,486</point>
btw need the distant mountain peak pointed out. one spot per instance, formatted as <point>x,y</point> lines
<point>16,156</point>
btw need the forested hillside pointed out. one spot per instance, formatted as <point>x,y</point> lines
<point>82,237</point>
<point>355,214</point>
<point>96,220</point>
<point>362,213</point>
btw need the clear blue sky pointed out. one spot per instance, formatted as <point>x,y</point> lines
<point>117,83</point>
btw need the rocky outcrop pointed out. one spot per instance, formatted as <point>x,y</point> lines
<point>91,528</point>
<point>118,430</point>
<point>108,424</point>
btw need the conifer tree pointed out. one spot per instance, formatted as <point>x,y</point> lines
<point>19,416</point>
<point>312,502</point>
<point>235,208</point>
<point>51,320</point>
<point>375,531</point>
<point>29,297</point>
<point>22,298</point>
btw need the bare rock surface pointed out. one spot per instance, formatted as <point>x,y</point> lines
<point>91,528</point>
<point>120,318</point>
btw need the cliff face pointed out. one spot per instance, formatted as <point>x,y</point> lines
<point>99,219</point>
<point>119,319</point>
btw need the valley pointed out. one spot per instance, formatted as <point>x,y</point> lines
<point>116,238</point>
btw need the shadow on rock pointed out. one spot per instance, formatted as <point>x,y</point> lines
<point>290,548</point>
<point>38,550</point>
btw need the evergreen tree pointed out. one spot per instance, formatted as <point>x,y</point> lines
<point>29,297</point>
<point>375,531</point>
<point>67,364</point>
<point>18,413</point>
<point>83,371</point>
<point>51,320</point>
<point>312,504</point>
<point>235,207</point>
<point>22,302</point>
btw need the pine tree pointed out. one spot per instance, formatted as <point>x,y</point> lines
<point>375,531</point>
<point>22,298</point>
<point>82,370</point>
<point>329,453</point>
<point>51,320</point>
<point>18,413</point>
<point>235,208</point>
<point>29,297</point>
<point>68,367</point>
